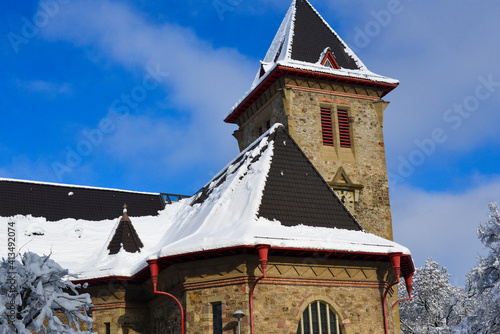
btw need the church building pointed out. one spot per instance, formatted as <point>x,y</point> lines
<point>293,236</point>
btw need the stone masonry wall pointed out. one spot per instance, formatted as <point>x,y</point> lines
<point>299,110</point>
<point>364,162</point>
<point>111,305</point>
<point>352,288</point>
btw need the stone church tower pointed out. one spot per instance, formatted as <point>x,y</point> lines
<point>331,105</point>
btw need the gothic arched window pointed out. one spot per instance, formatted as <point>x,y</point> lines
<point>318,318</point>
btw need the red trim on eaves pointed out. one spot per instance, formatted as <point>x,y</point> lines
<point>279,71</point>
<point>407,267</point>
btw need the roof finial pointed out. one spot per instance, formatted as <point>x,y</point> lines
<point>124,207</point>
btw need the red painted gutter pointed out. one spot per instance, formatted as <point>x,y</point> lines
<point>279,71</point>
<point>263,253</point>
<point>153,267</point>
<point>396,264</point>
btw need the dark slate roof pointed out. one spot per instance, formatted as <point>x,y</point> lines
<point>312,35</point>
<point>126,236</point>
<point>296,193</point>
<point>56,202</point>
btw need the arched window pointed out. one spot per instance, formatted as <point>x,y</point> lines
<point>318,318</point>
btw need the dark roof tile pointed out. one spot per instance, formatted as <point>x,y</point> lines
<point>56,202</point>
<point>296,193</point>
<point>125,236</point>
<point>312,35</point>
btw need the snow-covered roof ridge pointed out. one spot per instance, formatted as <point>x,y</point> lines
<point>282,37</point>
<point>75,186</point>
<point>347,49</point>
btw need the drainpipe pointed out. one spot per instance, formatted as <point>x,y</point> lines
<point>408,281</point>
<point>396,264</point>
<point>153,267</point>
<point>263,252</point>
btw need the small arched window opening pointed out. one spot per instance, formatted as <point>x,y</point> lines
<point>319,318</point>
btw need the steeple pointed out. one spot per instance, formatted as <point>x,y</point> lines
<point>304,36</point>
<point>331,105</point>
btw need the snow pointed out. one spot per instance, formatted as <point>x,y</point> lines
<point>226,218</point>
<point>74,186</point>
<point>41,297</point>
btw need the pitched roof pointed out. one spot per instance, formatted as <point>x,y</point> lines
<point>299,47</point>
<point>265,196</point>
<point>125,236</point>
<point>294,192</point>
<point>304,35</point>
<point>55,201</point>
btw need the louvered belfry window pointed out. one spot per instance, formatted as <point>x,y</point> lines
<point>344,130</point>
<point>326,126</point>
<point>318,318</point>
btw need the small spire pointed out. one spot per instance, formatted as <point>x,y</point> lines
<point>125,236</point>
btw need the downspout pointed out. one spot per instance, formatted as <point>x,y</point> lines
<point>263,252</point>
<point>408,281</point>
<point>396,264</point>
<point>153,267</point>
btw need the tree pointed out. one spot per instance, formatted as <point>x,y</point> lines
<point>483,282</point>
<point>35,297</point>
<point>436,306</point>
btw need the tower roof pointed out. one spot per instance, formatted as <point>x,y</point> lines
<point>303,41</point>
<point>306,45</point>
<point>304,36</point>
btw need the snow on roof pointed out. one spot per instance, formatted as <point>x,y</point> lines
<point>224,214</point>
<point>3,179</point>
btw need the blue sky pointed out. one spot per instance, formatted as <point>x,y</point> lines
<point>132,94</point>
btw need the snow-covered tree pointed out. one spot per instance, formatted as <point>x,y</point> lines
<point>484,280</point>
<point>436,306</point>
<point>35,297</point>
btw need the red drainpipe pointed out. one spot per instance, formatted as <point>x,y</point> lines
<point>396,264</point>
<point>408,281</point>
<point>153,267</point>
<point>263,252</point>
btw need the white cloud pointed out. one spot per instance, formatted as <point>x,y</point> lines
<point>199,78</point>
<point>438,53</point>
<point>51,89</point>
<point>443,225</point>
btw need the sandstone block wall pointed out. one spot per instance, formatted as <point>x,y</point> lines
<point>298,105</point>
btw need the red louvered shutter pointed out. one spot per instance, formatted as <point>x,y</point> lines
<point>344,132</point>
<point>326,127</point>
